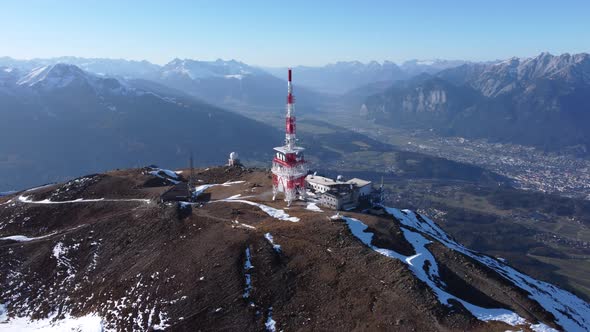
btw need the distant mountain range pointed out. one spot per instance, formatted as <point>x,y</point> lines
<point>99,114</point>
<point>541,101</point>
<point>234,84</point>
<point>342,77</point>
<point>99,66</point>
<point>58,121</point>
<point>229,84</point>
<point>65,119</point>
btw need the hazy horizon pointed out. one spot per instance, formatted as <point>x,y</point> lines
<point>282,66</point>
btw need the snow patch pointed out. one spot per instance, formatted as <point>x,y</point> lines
<point>542,328</point>
<point>88,323</point>
<point>270,324</point>
<point>336,216</point>
<point>26,199</point>
<point>313,207</point>
<point>248,264</point>
<point>167,174</point>
<point>56,76</point>
<point>40,187</point>
<point>248,276</point>
<point>572,313</point>
<point>236,76</point>
<point>275,213</point>
<point>425,62</point>
<point>229,183</point>
<point>34,76</point>
<point>424,266</point>
<point>163,322</point>
<point>184,205</point>
<point>58,250</point>
<point>59,253</point>
<point>270,239</point>
<point>200,189</point>
<point>239,224</point>
<point>22,238</point>
<point>3,314</point>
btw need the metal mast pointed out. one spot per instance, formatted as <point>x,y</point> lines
<point>290,136</point>
<point>288,167</point>
<point>191,179</point>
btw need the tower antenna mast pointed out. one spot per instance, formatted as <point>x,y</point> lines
<point>289,168</point>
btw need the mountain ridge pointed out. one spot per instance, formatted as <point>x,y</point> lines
<point>63,120</point>
<point>539,101</point>
<point>389,268</point>
<point>343,72</point>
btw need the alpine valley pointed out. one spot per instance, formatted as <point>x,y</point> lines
<point>481,222</point>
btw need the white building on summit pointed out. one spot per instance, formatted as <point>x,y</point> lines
<point>339,194</point>
<point>323,184</point>
<point>234,159</point>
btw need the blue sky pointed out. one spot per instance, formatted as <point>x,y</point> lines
<point>280,33</point>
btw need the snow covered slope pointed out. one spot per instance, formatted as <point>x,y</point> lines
<point>572,313</point>
<point>195,69</point>
<point>59,77</point>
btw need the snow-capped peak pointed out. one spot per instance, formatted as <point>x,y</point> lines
<point>60,76</point>
<point>195,69</point>
<point>571,312</point>
<point>542,66</point>
<point>52,76</point>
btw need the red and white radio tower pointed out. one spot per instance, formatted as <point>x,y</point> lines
<point>288,166</point>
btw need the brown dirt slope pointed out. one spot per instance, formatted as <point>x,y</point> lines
<point>142,265</point>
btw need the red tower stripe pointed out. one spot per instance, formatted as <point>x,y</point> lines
<point>290,125</point>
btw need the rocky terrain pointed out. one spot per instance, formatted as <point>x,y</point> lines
<point>539,101</point>
<point>102,252</point>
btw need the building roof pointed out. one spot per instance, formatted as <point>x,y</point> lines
<point>330,182</point>
<point>316,179</point>
<point>285,149</point>
<point>358,182</point>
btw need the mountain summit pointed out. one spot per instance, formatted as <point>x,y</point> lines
<point>206,69</point>
<point>102,252</point>
<point>540,101</point>
<point>51,76</point>
<point>495,79</point>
